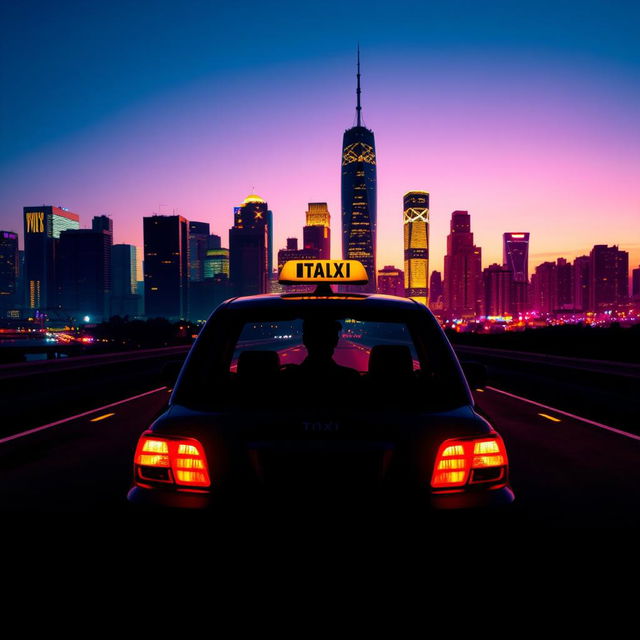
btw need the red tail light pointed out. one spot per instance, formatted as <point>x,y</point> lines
<point>177,461</point>
<point>463,461</point>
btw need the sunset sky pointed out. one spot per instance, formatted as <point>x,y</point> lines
<point>526,114</point>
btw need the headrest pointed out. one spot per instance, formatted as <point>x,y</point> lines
<point>258,363</point>
<point>390,360</point>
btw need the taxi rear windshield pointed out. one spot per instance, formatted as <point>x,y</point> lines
<point>326,359</point>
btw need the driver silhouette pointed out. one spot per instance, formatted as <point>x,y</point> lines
<point>320,337</point>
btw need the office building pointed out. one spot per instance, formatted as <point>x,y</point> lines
<point>635,286</point>
<point>249,248</point>
<point>391,281</point>
<point>581,283</point>
<point>42,228</point>
<point>416,245</point>
<point>462,270</point>
<point>9,269</point>
<point>497,290</point>
<point>359,194</point>
<point>166,266</point>
<point>198,245</point>
<point>84,271</point>
<point>316,234</point>
<point>564,274</point>
<point>216,263</point>
<point>609,278</point>
<point>544,288</point>
<point>436,291</point>
<point>125,300</point>
<point>515,255</point>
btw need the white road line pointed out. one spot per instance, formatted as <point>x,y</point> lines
<point>79,415</point>
<point>633,436</point>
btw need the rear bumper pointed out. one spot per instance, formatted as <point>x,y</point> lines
<point>143,498</point>
<point>487,499</point>
<point>157,498</point>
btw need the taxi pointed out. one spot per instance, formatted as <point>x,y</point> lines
<point>321,394</point>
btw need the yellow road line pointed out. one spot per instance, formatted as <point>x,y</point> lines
<point>102,417</point>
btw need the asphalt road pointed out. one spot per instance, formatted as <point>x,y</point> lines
<point>565,472</point>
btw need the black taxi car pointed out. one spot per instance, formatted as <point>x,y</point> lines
<point>321,394</point>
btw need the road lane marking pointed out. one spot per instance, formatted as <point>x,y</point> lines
<point>633,436</point>
<point>544,415</point>
<point>103,417</point>
<point>79,415</point>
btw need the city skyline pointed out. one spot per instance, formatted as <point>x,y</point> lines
<point>524,133</point>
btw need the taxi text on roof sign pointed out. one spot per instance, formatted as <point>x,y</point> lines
<point>323,271</point>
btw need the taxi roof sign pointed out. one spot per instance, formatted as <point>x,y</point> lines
<point>323,272</point>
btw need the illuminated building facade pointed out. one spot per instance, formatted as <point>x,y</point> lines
<point>198,245</point>
<point>125,300</point>
<point>84,270</point>
<point>9,269</point>
<point>515,255</point>
<point>359,195</point>
<point>635,285</point>
<point>42,228</point>
<point>249,249</point>
<point>436,291</point>
<point>544,288</point>
<point>166,266</point>
<point>564,274</point>
<point>462,270</point>
<point>497,290</point>
<point>316,234</point>
<point>391,281</point>
<point>416,245</point>
<point>216,263</point>
<point>581,283</point>
<point>609,278</point>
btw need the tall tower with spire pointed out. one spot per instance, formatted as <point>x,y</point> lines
<point>359,193</point>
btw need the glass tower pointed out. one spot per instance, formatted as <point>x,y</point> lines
<point>416,245</point>
<point>42,228</point>
<point>359,199</point>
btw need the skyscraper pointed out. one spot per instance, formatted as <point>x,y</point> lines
<point>198,244</point>
<point>166,266</point>
<point>124,295</point>
<point>581,282</point>
<point>609,277</point>
<point>42,228</point>
<point>544,288</point>
<point>515,255</point>
<point>436,291</point>
<point>316,234</point>
<point>497,290</point>
<point>84,270</point>
<point>9,269</point>
<point>635,286</point>
<point>359,194</point>
<point>416,245</point>
<point>564,274</point>
<point>391,281</point>
<point>249,247</point>
<point>462,270</point>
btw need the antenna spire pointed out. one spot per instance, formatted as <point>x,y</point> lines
<point>358,107</point>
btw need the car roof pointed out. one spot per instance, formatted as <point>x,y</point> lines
<point>280,302</point>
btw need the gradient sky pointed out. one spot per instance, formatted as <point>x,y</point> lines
<point>526,114</point>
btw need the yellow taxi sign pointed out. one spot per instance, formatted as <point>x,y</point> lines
<point>323,272</point>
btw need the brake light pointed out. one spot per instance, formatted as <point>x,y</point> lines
<point>463,461</point>
<point>168,460</point>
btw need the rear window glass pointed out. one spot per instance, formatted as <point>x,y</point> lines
<point>356,339</point>
<point>321,360</point>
